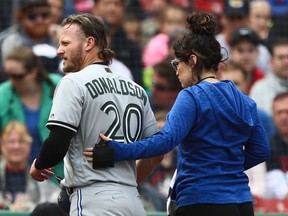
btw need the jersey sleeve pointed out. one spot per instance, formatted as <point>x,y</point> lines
<point>67,105</point>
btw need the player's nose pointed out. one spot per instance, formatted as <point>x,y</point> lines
<point>60,52</point>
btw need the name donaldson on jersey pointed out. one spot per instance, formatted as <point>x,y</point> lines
<point>105,85</point>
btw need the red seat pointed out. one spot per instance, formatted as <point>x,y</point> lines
<point>270,205</point>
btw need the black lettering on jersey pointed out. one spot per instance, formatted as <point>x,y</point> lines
<point>110,86</point>
<point>132,90</point>
<point>140,94</point>
<point>116,88</point>
<point>98,87</point>
<point>124,87</point>
<point>104,85</point>
<point>92,90</point>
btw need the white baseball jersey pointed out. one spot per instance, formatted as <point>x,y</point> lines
<point>97,100</point>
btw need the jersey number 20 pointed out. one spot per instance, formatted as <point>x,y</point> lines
<point>132,127</point>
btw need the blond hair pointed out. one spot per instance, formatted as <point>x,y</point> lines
<point>20,128</point>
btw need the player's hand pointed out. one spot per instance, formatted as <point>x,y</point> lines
<point>40,175</point>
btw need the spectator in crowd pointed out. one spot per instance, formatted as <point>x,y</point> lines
<point>148,71</point>
<point>264,90</point>
<point>57,9</point>
<point>277,166</point>
<point>165,86</point>
<point>28,95</point>
<point>18,191</point>
<point>32,28</point>
<point>112,12</point>
<point>260,19</point>
<point>173,17</point>
<point>83,6</point>
<point>132,27</point>
<point>244,51</point>
<point>150,24</point>
<point>236,15</point>
<point>257,175</point>
<point>236,73</point>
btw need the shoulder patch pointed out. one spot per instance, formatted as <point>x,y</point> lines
<point>108,70</point>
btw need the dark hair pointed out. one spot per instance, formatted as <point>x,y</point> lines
<point>92,26</point>
<point>26,56</point>
<point>201,42</point>
<point>280,96</point>
<point>164,70</point>
<point>26,5</point>
<point>245,34</point>
<point>279,41</point>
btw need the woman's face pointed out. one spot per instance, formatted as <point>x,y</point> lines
<point>17,75</point>
<point>184,74</point>
<point>15,149</point>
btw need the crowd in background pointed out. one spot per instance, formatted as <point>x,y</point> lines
<point>254,39</point>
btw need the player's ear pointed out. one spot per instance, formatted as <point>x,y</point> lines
<point>90,43</point>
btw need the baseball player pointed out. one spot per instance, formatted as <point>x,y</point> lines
<point>94,99</point>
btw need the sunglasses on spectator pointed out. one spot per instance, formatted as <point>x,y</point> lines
<point>160,87</point>
<point>34,16</point>
<point>16,77</point>
<point>175,63</point>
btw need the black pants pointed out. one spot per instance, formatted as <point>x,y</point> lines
<point>245,209</point>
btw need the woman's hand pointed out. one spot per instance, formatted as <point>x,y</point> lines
<point>88,152</point>
<point>105,138</point>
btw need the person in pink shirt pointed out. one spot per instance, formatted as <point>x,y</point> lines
<point>172,18</point>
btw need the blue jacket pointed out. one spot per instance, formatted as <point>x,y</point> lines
<point>219,136</point>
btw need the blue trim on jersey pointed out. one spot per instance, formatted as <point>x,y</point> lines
<point>79,202</point>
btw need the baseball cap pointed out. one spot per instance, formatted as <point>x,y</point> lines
<point>236,8</point>
<point>29,3</point>
<point>245,34</point>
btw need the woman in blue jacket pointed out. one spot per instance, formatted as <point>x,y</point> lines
<point>216,127</point>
